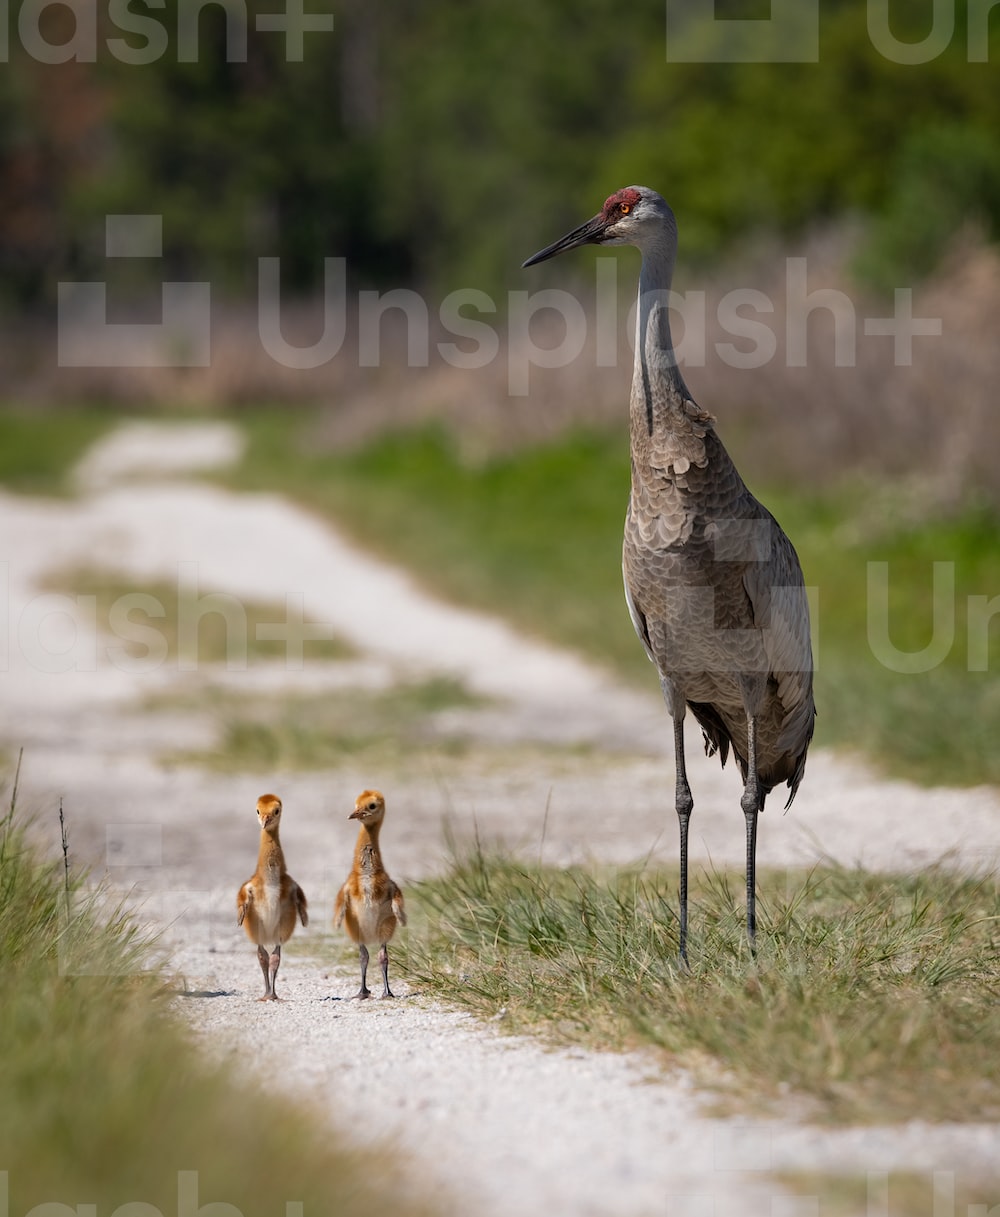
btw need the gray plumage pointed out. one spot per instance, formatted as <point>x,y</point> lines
<point>713,585</point>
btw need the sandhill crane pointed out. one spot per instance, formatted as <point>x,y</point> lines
<point>713,585</point>
<point>369,905</point>
<point>270,900</point>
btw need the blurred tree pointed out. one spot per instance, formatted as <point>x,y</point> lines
<point>437,144</point>
<point>496,114</point>
<point>739,146</point>
<point>53,127</point>
<point>244,158</point>
<point>947,182</point>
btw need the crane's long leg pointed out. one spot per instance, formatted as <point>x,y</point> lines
<point>383,963</point>
<point>364,991</point>
<point>263,960</point>
<point>751,806</point>
<point>683,802</point>
<point>274,964</point>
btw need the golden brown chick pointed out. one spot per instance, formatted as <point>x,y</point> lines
<point>269,902</point>
<point>369,905</point>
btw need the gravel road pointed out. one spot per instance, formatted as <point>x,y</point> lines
<point>499,1123</point>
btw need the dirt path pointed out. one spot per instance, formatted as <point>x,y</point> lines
<point>503,1124</point>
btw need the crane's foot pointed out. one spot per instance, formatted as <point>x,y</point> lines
<point>362,994</point>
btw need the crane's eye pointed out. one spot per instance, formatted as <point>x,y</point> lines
<point>624,208</point>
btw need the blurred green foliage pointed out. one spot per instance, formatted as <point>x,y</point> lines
<point>438,144</point>
<point>948,181</point>
<point>38,451</point>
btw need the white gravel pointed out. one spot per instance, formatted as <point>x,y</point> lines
<point>142,449</point>
<point>505,1125</point>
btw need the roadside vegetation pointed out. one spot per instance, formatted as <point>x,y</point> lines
<point>89,1047</point>
<point>39,448</point>
<point>910,1193</point>
<point>871,997</point>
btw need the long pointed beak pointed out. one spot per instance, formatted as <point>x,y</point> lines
<point>590,233</point>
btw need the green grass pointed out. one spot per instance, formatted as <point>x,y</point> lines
<point>932,726</point>
<point>897,1193</point>
<point>536,537</point>
<point>166,621</point>
<point>104,1101</point>
<point>293,731</point>
<point>39,447</point>
<point>871,997</point>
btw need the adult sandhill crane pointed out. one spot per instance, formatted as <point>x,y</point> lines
<point>713,585</point>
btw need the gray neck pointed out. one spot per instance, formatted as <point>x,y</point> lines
<point>658,389</point>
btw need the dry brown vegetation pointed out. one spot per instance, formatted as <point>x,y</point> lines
<point>930,420</point>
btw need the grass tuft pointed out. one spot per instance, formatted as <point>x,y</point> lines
<point>871,997</point>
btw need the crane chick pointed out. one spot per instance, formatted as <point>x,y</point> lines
<point>369,905</point>
<point>269,902</point>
